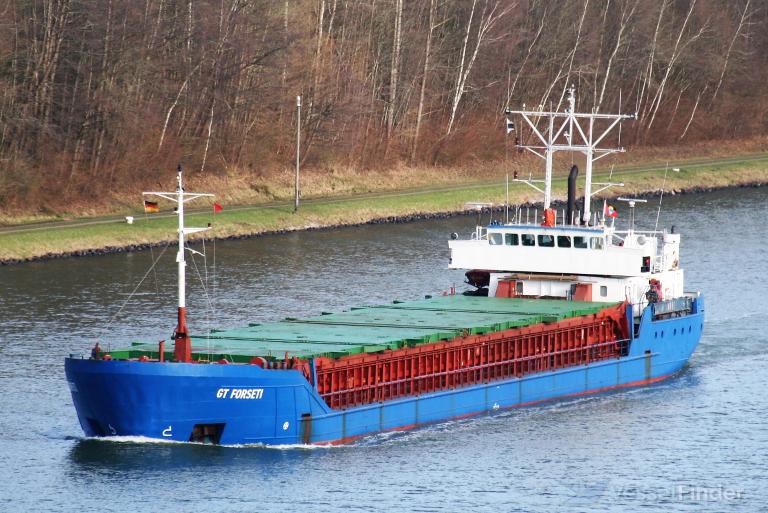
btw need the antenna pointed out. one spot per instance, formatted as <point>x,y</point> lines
<point>569,131</point>
<point>506,202</point>
<point>661,196</point>
<point>478,207</point>
<point>632,202</point>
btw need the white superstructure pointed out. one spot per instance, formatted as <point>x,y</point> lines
<point>571,256</point>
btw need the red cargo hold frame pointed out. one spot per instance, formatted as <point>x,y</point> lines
<point>366,378</point>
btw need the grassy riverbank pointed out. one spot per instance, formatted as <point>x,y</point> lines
<point>97,235</point>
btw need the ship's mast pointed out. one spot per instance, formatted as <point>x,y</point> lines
<point>181,262</point>
<point>182,342</point>
<point>559,135</point>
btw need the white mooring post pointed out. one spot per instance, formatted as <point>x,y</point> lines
<point>298,152</point>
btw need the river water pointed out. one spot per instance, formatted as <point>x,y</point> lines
<point>697,442</point>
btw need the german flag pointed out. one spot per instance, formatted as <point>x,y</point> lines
<point>151,207</point>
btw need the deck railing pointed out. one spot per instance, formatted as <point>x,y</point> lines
<point>677,305</point>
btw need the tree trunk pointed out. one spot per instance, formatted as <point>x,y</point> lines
<point>459,89</point>
<point>670,65</point>
<point>425,71</point>
<point>625,19</point>
<point>487,20</point>
<point>393,70</point>
<point>745,15</point>
<point>693,112</point>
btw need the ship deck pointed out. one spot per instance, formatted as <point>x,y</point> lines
<point>372,329</point>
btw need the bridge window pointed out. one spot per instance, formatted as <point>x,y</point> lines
<point>596,242</point>
<point>580,242</point>
<point>563,241</point>
<point>495,239</point>
<point>546,241</point>
<point>511,239</point>
<point>528,239</point>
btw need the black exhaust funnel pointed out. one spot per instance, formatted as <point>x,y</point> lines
<point>571,208</point>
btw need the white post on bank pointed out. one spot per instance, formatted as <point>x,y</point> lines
<point>298,151</point>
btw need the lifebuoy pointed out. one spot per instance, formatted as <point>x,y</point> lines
<point>260,361</point>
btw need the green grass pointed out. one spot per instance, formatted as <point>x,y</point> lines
<point>317,212</point>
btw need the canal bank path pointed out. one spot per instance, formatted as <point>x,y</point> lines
<point>106,234</point>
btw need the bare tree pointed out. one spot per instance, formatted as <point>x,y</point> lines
<point>425,71</point>
<point>642,105</point>
<point>693,113</point>
<point>511,87</point>
<point>626,15</point>
<point>675,55</point>
<point>743,23</point>
<point>95,88</point>
<point>395,65</point>
<point>488,18</point>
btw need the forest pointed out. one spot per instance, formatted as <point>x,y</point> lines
<point>97,95</point>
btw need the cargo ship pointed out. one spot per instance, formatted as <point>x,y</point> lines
<point>561,304</point>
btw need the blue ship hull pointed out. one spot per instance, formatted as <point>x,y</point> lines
<point>273,407</point>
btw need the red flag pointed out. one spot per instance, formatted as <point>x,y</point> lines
<point>217,208</point>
